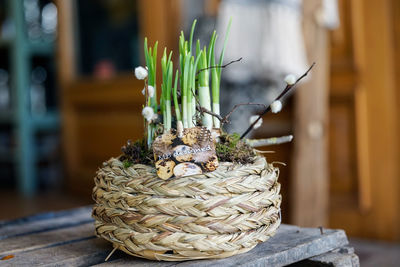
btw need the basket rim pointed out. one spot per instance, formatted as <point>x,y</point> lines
<point>142,179</point>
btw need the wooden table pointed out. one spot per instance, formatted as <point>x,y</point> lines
<point>67,238</point>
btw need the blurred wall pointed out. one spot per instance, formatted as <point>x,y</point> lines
<point>364,148</point>
<point>363,189</point>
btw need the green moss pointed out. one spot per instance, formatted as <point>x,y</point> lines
<point>135,153</point>
<point>230,148</point>
<point>127,163</point>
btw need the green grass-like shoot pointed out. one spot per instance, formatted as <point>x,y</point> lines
<point>191,35</point>
<point>175,96</point>
<point>216,74</point>
<point>151,63</point>
<point>194,87</point>
<point>204,90</point>
<point>166,87</point>
<point>184,90</point>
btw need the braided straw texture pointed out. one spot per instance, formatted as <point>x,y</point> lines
<point>212,215</point>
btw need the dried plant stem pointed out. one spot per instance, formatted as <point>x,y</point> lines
<point>225,119</point>
<point>112,252</point>
<point>287,89</point>
<point>238,105</point>
<point>204,110</point>
<point>217,66</point>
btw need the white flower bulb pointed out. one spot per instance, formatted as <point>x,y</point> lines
<point>151,91</point>
<point>253,119</point>
<point>148,113</point>
<point>140,73</point>
<point>290,79</point>
<point>276,106</point>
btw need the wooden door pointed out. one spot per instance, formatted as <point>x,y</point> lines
<point>99,116</point>
<point>364,169</point>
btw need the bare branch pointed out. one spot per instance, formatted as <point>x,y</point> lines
<point>284,92</point>
<point>224,120</point>
<point>216,66</point>
<point>204,110</point>
<point>242,104</point>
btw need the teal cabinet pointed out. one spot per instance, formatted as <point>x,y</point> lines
<point>24,124</point>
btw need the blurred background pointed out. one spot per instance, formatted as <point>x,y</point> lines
<point>69,100</point>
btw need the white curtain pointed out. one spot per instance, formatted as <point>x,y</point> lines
<point>267,34</point>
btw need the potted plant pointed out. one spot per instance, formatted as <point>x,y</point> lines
<point>188,190</point>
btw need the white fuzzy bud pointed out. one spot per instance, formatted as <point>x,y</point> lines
<point>151,91</point>
<point>140,73</point>
<point>276,106</point>
<point>148,113</point>
<point>253,119</point>
<point>290,79</point>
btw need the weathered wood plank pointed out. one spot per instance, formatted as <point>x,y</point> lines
<point>290,244</point>
<point>85,252</point>
<point>342,257</point>
<point>66,238</point>
<point>127,260</point>
<point>45,222</point>
<point>46,239</point>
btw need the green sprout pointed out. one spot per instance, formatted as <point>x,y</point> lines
<point>216,74</point>
<point>166,87</point>
<point>151,63</point>
<point>191,81</point>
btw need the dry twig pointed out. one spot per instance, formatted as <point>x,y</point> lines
<point>216,66</point>
<point>287,89</point>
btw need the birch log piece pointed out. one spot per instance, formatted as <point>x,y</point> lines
<point>269,141</point>
<point>165,168</point>
<point>187,168</point>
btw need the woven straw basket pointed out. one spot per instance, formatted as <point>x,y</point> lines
<point>212,215</point>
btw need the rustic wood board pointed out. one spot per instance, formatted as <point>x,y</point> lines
<point>341,257</point>
<point>46,239</point>
<point>44,222</point>
<point>67,239</point>
<point>82,252</point>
